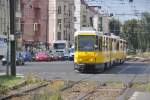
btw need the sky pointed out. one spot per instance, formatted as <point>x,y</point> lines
<point>123,9</point>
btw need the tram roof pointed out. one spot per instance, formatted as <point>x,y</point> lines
<point>88,33</point>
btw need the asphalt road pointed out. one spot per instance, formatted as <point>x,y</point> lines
<point>129,71</point>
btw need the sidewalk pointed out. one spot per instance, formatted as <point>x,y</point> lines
<point>140,96</point>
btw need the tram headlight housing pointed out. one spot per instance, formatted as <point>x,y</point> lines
<point>91,59</point>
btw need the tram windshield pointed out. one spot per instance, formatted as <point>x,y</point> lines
<point>86,43</point>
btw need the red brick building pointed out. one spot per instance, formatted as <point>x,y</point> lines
<point>34,21</point>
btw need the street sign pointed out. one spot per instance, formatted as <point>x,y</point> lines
<point>12,38</point>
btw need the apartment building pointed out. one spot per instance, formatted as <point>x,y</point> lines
<point>18,24</point>
<point>83,15</point>
<point>89,16</point>
<point>61,20</point>
<point>34,22</point>
<point>4,16</point>
<point>101,21</point>
<point>4,20</point>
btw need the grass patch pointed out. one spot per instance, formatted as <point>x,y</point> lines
<point>146,54</point>
<point>57,84</point>
<point>117,84</point>
<point>47,95</point>
<point>31,79</point>
<point>144,86</point>
<point>7,82</point>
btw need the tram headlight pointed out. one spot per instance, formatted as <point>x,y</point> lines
<point>80,59</point>
<point>91,59</point>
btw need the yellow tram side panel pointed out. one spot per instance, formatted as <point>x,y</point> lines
<point>89,57</point>
<point>113,55</point>
<point>118,55</point>
<point>107,56</point>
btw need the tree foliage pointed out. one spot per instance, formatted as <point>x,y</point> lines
<point>137,32</point>
<point>114,26</point>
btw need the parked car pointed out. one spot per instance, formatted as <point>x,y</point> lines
<point>66,56</point>
<point>27,56</point>
<point>19,59</point>
<point>60,56</point>
<point>41,56</point>
<point>56,56</point>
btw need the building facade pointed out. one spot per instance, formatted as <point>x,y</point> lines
<point>101,21</point>
<point>18,24</point>
<point>34,22</point>
<point>61,20</point>
<point>4,17</point>
<point>83,15</point>
<point>89,16</point>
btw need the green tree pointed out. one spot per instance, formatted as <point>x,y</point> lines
<point>132,32</point>
<point>137,32</point>
<point>114,26</point>
<point>146,26</point>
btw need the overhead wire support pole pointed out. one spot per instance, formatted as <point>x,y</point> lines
<point>47,26</point>
<point>12,7</point>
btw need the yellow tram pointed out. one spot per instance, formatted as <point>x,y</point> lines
<point>95,51</point>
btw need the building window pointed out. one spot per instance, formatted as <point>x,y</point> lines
<point>59,24</point>
<point>37,13</point>
<point>59,9</point>
<point>18,6</point>
<point>17,24</point>
<point>59,36</point>
<point>84,26</point>
<point>64,9</point>
<point>22,9</point>
<point>69,12</point>
<point>64,22</point>
<point>84,18</point>
<point>100,25</point>
<point>91,21</point>
<point>64,35</point>
<point>22,26</point>
<point>75,19</point>
<point>69,26</point>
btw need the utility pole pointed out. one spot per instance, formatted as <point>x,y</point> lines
<point>12,7</point>
<point>47,26</point>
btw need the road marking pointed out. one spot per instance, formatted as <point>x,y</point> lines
<point>124,69</point>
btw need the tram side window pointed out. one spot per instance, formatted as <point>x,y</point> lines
<point>117,45</point>
<point>121,45</point>
<point>76,40</point>
<point>107,44</point>
<point>100,44</point>
<point>103,44</point>
<point>96,43</point>
<point>110,44</point>
<point>124,47</point>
